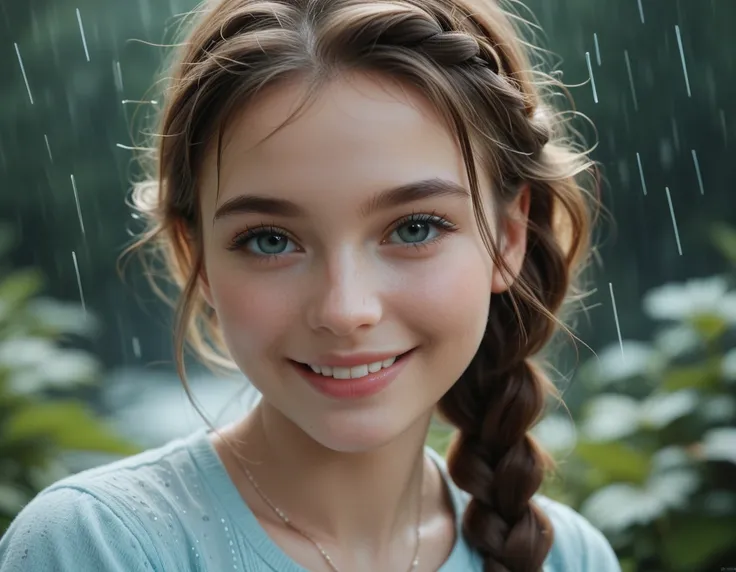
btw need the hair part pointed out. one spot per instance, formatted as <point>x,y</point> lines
<point>468,58</point>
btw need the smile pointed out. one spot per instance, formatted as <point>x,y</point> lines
<point>354,372</point>
<point>341,382</point>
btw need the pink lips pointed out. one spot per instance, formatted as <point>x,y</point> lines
<point>353,388</point>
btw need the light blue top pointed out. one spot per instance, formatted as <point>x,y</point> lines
<point>175,509</point>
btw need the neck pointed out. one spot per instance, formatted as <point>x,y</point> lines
<point>367,499</point>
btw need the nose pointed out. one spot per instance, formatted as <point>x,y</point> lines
<point>346,297</point>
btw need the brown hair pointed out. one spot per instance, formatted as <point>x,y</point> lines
<point>467,57</point>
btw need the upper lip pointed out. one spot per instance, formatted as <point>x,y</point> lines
<point>352,360</point>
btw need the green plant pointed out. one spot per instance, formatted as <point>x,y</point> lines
<point>39,373</point>
<point>652,458</point>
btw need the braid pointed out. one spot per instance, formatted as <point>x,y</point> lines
<point>497,400</point>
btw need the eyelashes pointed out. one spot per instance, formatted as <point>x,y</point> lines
<point>268,241</point>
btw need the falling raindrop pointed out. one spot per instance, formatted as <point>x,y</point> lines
<point>641,174</point>
<point>615,315</point>
<point>597,49</point>
<point>118,73</point>
<point>697,172</point>
<point>675,134</point>
<point>81,31</point>
<point>682,57</point>
<point>722,116</point>
<point>674,220</point>
<point>641,12</point>
<point>79,209</point>
<point>631,80</point>
<point>79,282</point>
<point>23,71</point>
<point>48,147</point>
<point>592,79</point>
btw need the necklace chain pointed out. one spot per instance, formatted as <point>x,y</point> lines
<point>288,522</point>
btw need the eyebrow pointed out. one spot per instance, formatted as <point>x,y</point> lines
<point>397,196</point>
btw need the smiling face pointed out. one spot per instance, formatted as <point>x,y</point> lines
<point>349,231</point>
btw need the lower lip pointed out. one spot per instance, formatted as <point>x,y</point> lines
<point>353,388</point>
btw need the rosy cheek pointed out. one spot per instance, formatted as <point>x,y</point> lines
<point>450,302</point>
<point>248,311</point>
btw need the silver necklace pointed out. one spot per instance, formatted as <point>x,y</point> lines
<point>287,521</point>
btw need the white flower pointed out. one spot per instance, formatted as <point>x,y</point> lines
<point>697,297</point>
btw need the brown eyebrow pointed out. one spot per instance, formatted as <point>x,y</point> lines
<point>397,196</point>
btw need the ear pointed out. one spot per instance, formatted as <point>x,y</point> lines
<point>512,241</point>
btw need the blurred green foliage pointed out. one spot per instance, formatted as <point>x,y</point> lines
<point>39,418</point>
<point>651,458</point>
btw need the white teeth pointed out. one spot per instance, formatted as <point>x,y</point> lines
<point>375,366</point>
<point>341,372</point>
<point>358,371</point>
<point>352,372</point>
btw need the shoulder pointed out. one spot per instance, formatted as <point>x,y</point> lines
<point>106,518</point>
<point>578,545</point>
<point>65,529</point>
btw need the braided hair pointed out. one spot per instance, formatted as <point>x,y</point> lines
<point>469,60</point>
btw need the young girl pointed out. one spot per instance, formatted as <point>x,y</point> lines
<point>372,213</point>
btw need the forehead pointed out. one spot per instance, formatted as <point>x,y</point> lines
<point>361,133</point>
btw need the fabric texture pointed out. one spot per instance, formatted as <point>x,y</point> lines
<point>175,509</point>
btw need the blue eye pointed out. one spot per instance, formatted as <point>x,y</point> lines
<point>420,229</point>
<point>264,242</point>
<point>269,242</point>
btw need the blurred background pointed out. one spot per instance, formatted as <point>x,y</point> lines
<point>647,450</point>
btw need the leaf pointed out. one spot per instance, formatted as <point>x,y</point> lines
<point>69,368</point>
<point>718,409</point>
<point>63,317</point>
<point>701,376</point>
<point>556,433</point>
<point>20,287</point>
<point>728,365</point>
<point>611,416</point>
<point>638,360</point>
<point>620,506</point>
<point>696,297</point>
<point>69,425</point>
<point>693,540</point>
<point>659,410</point>
<point>671,457</point>
<point>720,444</point>
<point>677,340</point>
<point>724,237</point>
<point>709,326</point>
<point>616,460</point>
<point>26,352</point>
<point>674,488</point>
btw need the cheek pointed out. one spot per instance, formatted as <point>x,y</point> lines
<point>451,296</point>
<point>252,314</point>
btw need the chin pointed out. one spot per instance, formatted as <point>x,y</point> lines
<point>355,432</point>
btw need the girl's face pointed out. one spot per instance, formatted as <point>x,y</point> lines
<point>347,238</point>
